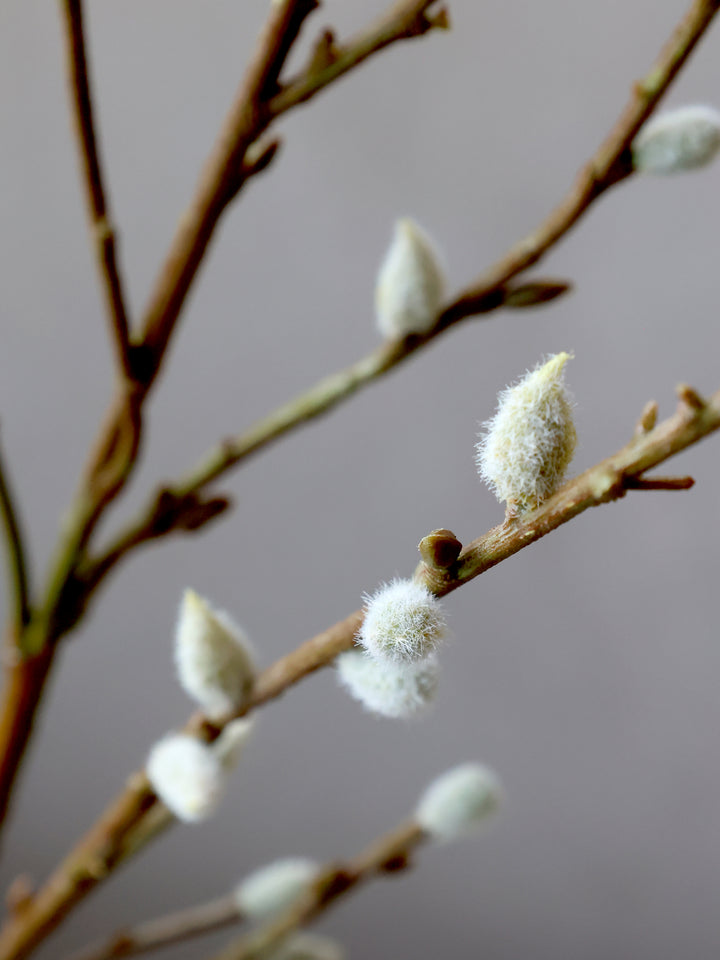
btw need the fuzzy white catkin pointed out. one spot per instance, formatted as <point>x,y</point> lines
<point>458,802</point>
<point>213,657</point>
<point>187,775</point>
<point>677,140</point>
<point>230,745</point>
<point>529,443</point>
<point>308,946</point>
<point>410,283</point>
<point>386,688</point>
<point>275,886</point>
<point>404,623</point>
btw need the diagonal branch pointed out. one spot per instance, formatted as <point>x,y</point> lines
<point>609,165</point>
<point>17,566</point>
<point>103,231</point>
<point>136,816</point>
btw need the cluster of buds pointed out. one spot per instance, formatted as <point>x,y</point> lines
<point>215,668</point>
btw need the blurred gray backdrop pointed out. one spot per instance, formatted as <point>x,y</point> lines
<point>585,670</point>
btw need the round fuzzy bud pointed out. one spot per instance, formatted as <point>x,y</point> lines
<point>213,658</point>
<point>187,775</point>
<point>458,801</point>
<point>677,140</point>
<point>404,623</point>
<point>529,443</point>
<point>275,886</point>
<point>387,688</point>
<point>308,946</point>
<point>410,284</point>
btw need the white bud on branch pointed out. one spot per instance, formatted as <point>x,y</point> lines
<point>213,657</point>
<point>677,140</point>
<point>275,886</point>
<point>410,284</point>
<point>404,623</point>
<point>389,689</point>
<point>230,745</point>
<point>459,801</point>
<point>529,443</point>
<point>187,775</point>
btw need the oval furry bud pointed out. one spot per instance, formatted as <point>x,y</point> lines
<point>458,802</point>
<point>213,658</point>
<point>386,688</point>
<point>529,443</point>
<point>404,623</point>
<point>275,886</point>
<point>410,284</point>
<point>187,775</point>
<point>677,140</point>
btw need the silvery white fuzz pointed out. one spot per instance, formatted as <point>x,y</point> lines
<point>529,443</point>
<point>404,623</point>
<point>275,886</point>
<point>187,775</point>
<point>213,657</point>
<point>229,746</point>
<point>459,801</point>
<point>410,284</point>
<point>389,689</point>
<point>677,140</point>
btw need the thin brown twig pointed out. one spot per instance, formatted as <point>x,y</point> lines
<point>388,855</point>
<point>135,817</point>
<point>609,165</point>
<point>17,566</point>
<point>103,231</point>
<point>164,931</point>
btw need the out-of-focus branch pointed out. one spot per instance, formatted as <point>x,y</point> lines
<point>165,931</point>
<point>103,231</point>
<point>136,816</point>
<point>17,566</point>
<point>388,855</point>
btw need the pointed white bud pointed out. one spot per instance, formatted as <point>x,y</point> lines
<point>529,443</point>
<point>677,140</point>
<point>404,623</point>
<point>275,886</point>
<point>187,775</point>
<point>410,284</point>
<point>393,690</point>
<point>458,802</point>
<point>230,745</point>
<point>213,657</point>
<point>308,946</point>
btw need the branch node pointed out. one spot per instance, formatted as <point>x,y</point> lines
<point>534,293</point>
<point>647,419</point>
<point>324,53</point>
<point>690,397</point>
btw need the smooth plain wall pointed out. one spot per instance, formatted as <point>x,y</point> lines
<point>584,670</point>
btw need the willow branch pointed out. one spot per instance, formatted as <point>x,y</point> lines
<point>610,164</point>
<point>165,931</point>
<point>114,457</point>
<point>388,855</point>
<point>136,816</point>
<point>17,566</point>
<point>103,231</point>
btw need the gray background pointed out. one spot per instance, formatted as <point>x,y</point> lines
<point>585,670</point>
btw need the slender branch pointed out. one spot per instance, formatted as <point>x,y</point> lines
<point>165,931</point>
<point>136,816</point>
<point>115,455</point>
<point>103,231</point>
<point>609,165</point>
<point>388,855</point>
<point>17,566</point>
